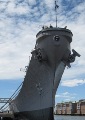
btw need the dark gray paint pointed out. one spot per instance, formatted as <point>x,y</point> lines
<point>42,79</point>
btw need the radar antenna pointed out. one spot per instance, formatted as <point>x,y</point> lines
<point>56,7</point>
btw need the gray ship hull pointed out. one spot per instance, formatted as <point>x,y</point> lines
<point>43,114</point>
<point>36,99</point>
<point>37,103</point>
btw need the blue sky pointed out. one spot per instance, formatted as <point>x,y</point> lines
<point>20,20</point>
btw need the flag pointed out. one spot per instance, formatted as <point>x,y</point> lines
<point>56,6</point>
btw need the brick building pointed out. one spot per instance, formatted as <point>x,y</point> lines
<point>70,108</point>
<point>66,108</point>
<point>59,108</point>
<point>81,107</point>
<point>78,108</point>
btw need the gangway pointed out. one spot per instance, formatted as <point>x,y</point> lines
<point>7,101</point>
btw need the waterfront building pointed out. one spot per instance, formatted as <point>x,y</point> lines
<point>81,107</point>
<point>78,108</point>
<point>59,108</point>
<point>71,108</point>
<point>66,108</point>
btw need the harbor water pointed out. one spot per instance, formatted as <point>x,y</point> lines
<point>62,117</point>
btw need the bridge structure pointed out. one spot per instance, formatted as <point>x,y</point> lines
<point>5,100</point>
<point>8,101</point>
<point>5,103</point>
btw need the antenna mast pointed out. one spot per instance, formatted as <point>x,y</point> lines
<point>56,7</point>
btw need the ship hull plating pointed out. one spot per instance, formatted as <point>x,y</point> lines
<point>36,99</point>
<point>43,114</point>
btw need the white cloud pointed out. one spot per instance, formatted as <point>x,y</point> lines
<point>12,8</point>
<point>15,55</point>
<point>19,24</point>
<point>75,71</point>
<point>32,2</point>
<point>66,96</point>
<point>2,5</point>
<point>72,83</point>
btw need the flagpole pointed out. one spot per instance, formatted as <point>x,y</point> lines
<point>56,6</point>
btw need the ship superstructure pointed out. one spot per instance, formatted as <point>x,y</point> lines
<point>52,53</point>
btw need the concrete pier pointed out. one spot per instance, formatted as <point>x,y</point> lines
<point>6,116</point>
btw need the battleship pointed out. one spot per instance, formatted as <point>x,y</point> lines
<point>52,53</point>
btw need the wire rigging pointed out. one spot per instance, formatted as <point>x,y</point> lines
<point>6,105</point>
